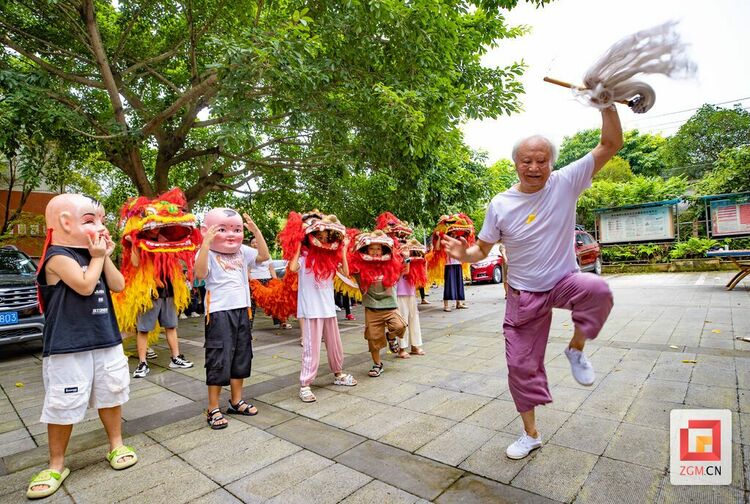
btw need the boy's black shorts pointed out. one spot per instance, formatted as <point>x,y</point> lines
<point>229,350</point>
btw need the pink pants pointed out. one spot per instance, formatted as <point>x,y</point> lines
<point>526,327</point>
<point>313,331</point>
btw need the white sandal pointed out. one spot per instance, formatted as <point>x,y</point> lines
<point>306,395</point>
<point>345,380</point>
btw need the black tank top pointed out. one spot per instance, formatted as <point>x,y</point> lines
<point>75,323</point>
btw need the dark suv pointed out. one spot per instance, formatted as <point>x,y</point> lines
<point>20,318</point>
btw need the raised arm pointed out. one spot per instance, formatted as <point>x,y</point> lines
<point>263,253</point>
<point>611,140</point>
<point>200,270</point>
<point>65,268</point>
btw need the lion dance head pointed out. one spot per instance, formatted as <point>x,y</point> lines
<point>375,256</point>
<point>457,226</point>
<point>165,237</point>
<point>320,237</point>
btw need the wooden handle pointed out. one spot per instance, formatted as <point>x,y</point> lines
<point>562,83</point>
<point>579,88</point>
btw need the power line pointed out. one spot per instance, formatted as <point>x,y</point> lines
<point>696,108</point>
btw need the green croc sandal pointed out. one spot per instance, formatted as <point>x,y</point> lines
<point>52,480</point>
<point>116,456</point>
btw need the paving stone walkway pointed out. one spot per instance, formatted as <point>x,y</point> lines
<point>430,429</point>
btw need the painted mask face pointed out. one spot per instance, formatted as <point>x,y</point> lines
<point>74,219</point>
<point>230,231</point>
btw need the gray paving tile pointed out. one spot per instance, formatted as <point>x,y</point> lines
<point>494,415</point>
<point>316,436</point>
<point>567,398</point>
<point>388,420</point>
<point>328,486</point>
<point>456,444</point>
<point>616,481</point>
<point>183,485</point>
<point>377,491</point>
<point>414,474</point>
<point>154,403</point>
<point>663,390</point>
<point>218,496</point>
<point>278,477</point>
<point>475,489</point>
<point>556,472</point>
<point>654,414</point>
<point>706,396</point>
<point>416,433</point>
<point>460,406</point>
<point>640,445</point>
<point>586,433</point>
<point>251,449</point>
<point>490,460</point>
<point>703,494</point>
<point>359,412</point>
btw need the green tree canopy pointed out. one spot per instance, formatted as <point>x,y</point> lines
<point>615,170</point>
<point>730,173</point>
<point>642,151</point>
<point>711,130</point>
<point>221,95</point>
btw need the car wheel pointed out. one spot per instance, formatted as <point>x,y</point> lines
<point>497,275</point>
<point>598,266</point>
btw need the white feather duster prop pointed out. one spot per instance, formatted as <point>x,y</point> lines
<point>657,50</point>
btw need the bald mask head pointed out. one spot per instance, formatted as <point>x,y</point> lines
<point>230,230</point>
<point>74,219</point>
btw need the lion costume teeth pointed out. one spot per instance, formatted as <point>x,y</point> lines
<point>167,238</point>
<point>456,226</point>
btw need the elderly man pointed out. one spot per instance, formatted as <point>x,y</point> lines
<point>535,219</point>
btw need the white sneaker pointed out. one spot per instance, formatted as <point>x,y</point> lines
<point>581,367</point>
<point>183,316</point>
<point>523,446</point>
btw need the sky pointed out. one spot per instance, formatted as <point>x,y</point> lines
<point>569,35</point>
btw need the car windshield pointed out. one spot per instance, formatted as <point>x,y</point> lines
<point>15,263</point>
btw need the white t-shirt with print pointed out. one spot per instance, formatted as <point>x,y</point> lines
<point>314,298</point>
<point>538,229</point>
<point>227,284</point>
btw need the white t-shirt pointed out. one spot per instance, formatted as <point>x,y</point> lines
<point>227,286</point>
<point>314,298</point>
<point>538,229</point>
<point>261,271</point>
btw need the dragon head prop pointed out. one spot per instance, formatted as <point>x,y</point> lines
<point>319,237</point>
<point>375,256</point>
<point>393,226</point>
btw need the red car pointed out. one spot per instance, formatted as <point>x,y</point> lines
<point>588,252</point>
<point>490,269</point>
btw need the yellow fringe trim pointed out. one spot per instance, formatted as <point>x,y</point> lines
<point>347,288</point>
<point>139,294</point>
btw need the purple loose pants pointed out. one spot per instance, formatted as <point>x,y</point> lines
<point>526,328</point>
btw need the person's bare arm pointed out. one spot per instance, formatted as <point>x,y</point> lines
<point>263,253</point>
<point>115,280</point>
<point>461,251</point>
<point>200,270</point>
<point>293,265</point>
<point>611,140</point>
<point>66,269</point>
<point>272,271</point>
<point>344,266</point>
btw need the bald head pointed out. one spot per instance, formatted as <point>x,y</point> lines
<point>73,219</point>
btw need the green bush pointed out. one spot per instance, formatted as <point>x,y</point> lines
<point>694,247</point>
